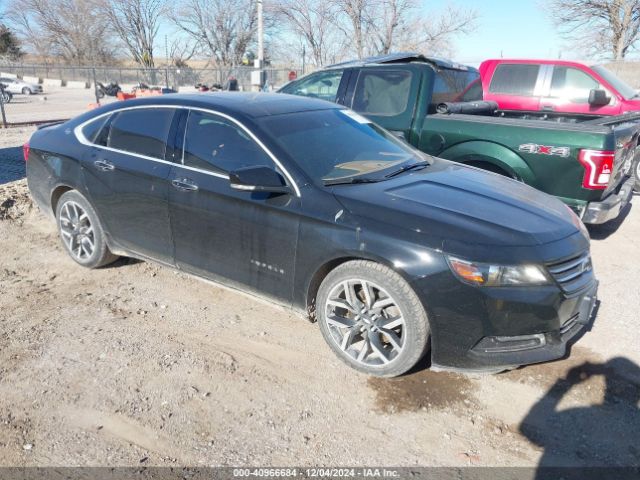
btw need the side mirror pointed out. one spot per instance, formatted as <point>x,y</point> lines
<point>598,98</point>
<point>258,179</point>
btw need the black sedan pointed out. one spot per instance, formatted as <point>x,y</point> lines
<point>395,253</point>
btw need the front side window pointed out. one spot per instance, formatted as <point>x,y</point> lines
<point>323,85</point>
<point>333,145</point>
<point>143,131</point>
<point>572,84</point>
<point>215,144</point>
<point>382,92</point>
<point>515,79</point>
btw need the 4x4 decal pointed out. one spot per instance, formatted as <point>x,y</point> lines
<point>544,149</point>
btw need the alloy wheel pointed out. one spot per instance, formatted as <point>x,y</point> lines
<point>365,322</point>
<point>77,231</point>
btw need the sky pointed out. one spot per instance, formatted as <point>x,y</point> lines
<point>508,28</point>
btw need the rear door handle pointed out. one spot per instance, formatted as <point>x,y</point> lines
<point>104,166</point>
<point>184,185</point>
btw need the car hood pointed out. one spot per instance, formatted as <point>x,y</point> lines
<point>454,205</point>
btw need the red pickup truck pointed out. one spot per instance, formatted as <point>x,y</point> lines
<point>558,89</point>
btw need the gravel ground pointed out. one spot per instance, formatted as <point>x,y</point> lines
<point>137,364</point>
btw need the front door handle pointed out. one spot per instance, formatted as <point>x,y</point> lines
<point>547,108</point>
<point>104,166</point>
<point>184,185</point>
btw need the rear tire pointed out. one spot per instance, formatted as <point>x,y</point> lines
<point>372,319</point>
<point>81,232</point>
<point>26,91</point>
<point>636,175</point>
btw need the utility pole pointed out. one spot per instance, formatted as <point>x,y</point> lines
<point>166,62</point>
<point>258,76</point>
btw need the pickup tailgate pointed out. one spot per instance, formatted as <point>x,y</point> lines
<point>626,140</point>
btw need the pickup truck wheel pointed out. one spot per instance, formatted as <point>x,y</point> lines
<point>372,319</point>
<point>81,232</point>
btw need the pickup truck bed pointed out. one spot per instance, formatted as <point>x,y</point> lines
<point>542,153</point>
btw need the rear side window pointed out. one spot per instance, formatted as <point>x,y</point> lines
<point>382,92</point>
<point>515,79</point>
<point>97,131</point>
<point>456,86</point>
<point>215,144</point>
<point>572,84</point>
<point>323,85</point>
<point>141,131</point>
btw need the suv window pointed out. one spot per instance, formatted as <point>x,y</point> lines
<point>515,79</point>
<point>572,84</point>
<point>215,144</point>
<point>322,85</point>
<point>142,131</point>
<point>382,92</point>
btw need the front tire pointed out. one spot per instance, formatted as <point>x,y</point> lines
<point>636,175</point>
<point>372,319</point>
<point>81,231</point>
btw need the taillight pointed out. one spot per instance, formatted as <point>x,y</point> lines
<point>598,166</point>
<point>25,151</point>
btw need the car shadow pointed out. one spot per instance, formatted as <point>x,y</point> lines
<point>12,166</point>
<point>596,441</point>
<point>605,230</point>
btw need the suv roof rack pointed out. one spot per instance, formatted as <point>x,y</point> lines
<point>403,57</point>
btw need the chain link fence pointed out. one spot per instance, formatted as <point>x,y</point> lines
<point>69,91</point>
<point>163,76</point>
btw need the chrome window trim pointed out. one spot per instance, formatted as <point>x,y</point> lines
<point>77,131</point>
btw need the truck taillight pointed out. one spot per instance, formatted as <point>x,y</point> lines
<point>25,151</point>
<point>598,167</point>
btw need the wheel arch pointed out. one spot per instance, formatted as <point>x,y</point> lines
<point>56,193</point>
<point>487,153</point>
<point>323,270</point>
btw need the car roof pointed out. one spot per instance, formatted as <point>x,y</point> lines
<point>403,57</point>
<point>246,104</point>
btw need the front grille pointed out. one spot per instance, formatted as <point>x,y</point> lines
<point>573,274</point>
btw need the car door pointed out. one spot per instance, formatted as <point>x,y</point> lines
<point>245,238</point>
<point>569,93</point>
<point>517,86</point>
<point>126,176</point>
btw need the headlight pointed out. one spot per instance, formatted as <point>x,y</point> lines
<point>487,275</point>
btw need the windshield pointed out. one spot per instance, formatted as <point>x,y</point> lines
<point>618,84</point>
<point>332,145</point>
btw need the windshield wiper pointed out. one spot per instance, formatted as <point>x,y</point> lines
<point>349,181</point>
<point>406,168</point>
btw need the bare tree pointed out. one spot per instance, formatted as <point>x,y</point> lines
<point>312,21</point>
<point>391,23</point>
<point>71,29</point>
<point>600,25</point>
<point>434,32</point>
<point>358,16</point>
<point>222,32</point>
<point>136,22</point>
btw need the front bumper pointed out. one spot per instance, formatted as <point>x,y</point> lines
<point>610,207</point>
<point>494,329</point>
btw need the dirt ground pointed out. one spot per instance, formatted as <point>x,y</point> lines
<point>137,364</point>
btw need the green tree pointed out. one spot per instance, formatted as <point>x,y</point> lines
<point>9,44</point>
